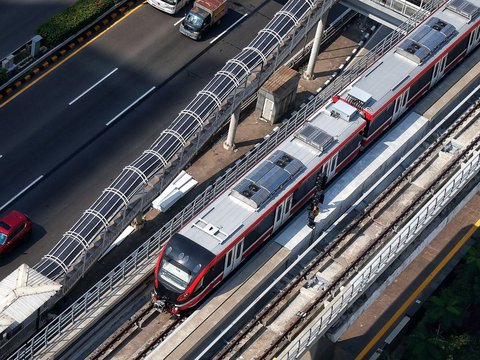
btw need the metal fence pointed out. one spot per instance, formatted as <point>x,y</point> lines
<point>375,266</point>
<point>144,257</point>
<point>403,7</point>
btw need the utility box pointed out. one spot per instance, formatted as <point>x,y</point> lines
<point>277,94</point>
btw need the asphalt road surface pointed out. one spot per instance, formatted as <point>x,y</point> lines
<point>62,145</point>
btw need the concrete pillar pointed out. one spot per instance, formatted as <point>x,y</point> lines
<point>316,44</point>
<point>229,144</point>
<point>35,49</point>
<point>138,221</point>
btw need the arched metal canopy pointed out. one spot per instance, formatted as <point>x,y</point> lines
<point>171,141</point>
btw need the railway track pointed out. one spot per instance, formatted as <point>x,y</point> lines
<point>271,328</point>
<point>147,328</point>
<point>157,326</point>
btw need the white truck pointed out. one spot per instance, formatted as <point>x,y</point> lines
<point>203,15</point>
<point>168,6</point>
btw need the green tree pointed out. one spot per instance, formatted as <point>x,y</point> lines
<point>445,310</point>
<point>463,347</point>
<point>472,260</point>
<point>421,344</point>
<point>467,278</point>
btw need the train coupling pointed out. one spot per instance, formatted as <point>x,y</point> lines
<point>158,304</point>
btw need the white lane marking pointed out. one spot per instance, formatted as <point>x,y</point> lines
<point>179,21</point>
<point>231,26</point>
<point>129,106</point>
<point>91,87</point>
<point>21,192</point>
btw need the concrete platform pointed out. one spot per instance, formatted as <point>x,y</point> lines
<point>370,167</point>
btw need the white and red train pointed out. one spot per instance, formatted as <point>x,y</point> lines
<point>220,237</point>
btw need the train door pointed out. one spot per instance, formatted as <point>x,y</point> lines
<point>329,167</point>
<point>473,40</point>
<point>438,70</point>
<point>400,105</point>
<point>233,258</point>
<point>282,213</point>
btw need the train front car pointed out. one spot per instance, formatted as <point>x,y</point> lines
<point>177,274</point>
<point>219,238</point>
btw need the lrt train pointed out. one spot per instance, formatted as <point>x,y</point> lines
<point>209,247</point>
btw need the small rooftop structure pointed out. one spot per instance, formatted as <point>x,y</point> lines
<point>277,94</point>
<point>342,110</point>
<point>264,181</point>
<point>22,293</point>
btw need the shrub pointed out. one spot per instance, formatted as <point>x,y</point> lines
<point>63,25</point>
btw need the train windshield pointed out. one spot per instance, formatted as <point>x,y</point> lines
<point>174,275</point>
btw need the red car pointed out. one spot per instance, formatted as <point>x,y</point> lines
<point>14,227</point>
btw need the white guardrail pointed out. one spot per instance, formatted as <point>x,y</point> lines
<point>372,270</point>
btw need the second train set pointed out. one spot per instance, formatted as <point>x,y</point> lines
<point>219,238</point>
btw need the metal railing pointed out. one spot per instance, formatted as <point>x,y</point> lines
<point>375,266</point>
<point>403,7</point>
<point>144,257</point>
<point>47,55</point>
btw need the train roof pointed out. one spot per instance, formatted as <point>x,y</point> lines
<point>411,56</point>
<point>252,195</point>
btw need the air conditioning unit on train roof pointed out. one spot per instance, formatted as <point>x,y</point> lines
<point>464,8</point>
<point>342,110</point>
<point>426,40</point>
<point>358,97</point>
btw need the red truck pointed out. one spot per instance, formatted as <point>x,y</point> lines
<point>203,15</point>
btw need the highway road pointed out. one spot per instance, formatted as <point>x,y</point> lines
<point>19,20</point>
<point>62,144</point>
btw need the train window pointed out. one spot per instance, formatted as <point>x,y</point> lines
<point>229,258</point>
<point>182,258</point>
<point>197,268</point>
<point>174,275</point>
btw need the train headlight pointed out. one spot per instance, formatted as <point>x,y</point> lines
<point>174,310</point>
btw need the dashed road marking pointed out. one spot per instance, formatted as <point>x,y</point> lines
<point>21,192</point>
<point>91,87</point>
<point>129,106</point>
